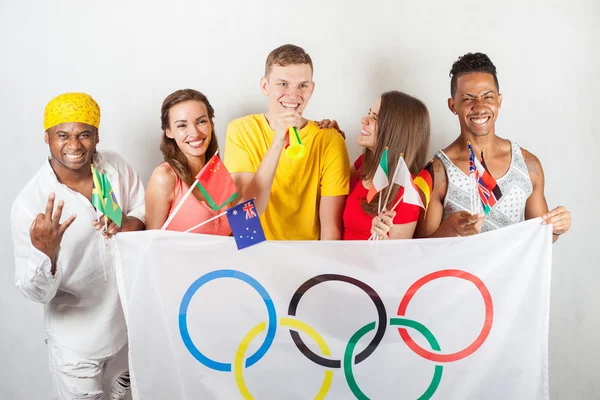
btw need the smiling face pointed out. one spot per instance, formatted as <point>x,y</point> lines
<point>288,88</point>
<point>190,127</point>
<point>476,103</point>
<point>72,146</point>
<point>368,132</point>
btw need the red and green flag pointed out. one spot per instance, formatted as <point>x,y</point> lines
<point>381,177</point>
<point>215,184</point>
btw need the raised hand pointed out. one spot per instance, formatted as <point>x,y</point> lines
<point>46,231</point>
<point>282,121</point>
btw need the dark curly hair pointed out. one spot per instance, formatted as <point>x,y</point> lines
<point>471,62</point>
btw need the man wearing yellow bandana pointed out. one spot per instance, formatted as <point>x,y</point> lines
<point>63,253</point>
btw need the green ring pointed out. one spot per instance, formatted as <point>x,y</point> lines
<point>437,375</point>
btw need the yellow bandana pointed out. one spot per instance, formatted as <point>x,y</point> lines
<point>72,107</point>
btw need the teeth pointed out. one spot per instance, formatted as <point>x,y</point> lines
<point>290,105</point>
<point>365,133</point>
<point>74,156</point>
<point>196,143</point>
<point>480,121</point>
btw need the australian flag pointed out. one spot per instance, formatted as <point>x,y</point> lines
<point>245,224</point>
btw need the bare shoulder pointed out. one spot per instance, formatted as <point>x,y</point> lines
<point>534,166</point>
<point>439,172</point>
<point>162,176</point>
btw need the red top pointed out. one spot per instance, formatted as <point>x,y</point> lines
<point>357,223</point>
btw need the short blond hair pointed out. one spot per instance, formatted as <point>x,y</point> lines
<point>285,55</point>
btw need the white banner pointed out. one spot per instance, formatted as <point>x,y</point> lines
<point>457,318</point>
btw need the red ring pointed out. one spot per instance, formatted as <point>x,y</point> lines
<point>487,325</point>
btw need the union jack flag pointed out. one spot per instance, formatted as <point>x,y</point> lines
<point>250,210</point>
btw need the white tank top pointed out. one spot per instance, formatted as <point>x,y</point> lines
<point>515,185</point>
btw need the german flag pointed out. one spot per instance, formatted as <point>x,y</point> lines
<point>424,181</point>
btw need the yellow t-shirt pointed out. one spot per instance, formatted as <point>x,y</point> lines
<point>293,209</point>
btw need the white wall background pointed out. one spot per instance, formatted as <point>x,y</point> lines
<point>130,54</point>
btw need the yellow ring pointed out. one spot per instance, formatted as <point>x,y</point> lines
<point>292,323</point>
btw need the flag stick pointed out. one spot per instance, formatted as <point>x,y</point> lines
<point>398,202</point>
<point>183,199</point>
<point>387,197</point>
<point>207,221</point>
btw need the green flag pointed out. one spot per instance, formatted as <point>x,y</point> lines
<point>111,205</point>
<point>97,195</point>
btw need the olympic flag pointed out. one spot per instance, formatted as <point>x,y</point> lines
<point>455,318</point>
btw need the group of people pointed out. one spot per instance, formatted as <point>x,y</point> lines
<point>66,262</point>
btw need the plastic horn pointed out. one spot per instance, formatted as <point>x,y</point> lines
<point>294,149</point>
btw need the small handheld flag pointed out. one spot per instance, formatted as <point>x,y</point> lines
<point>245,224</point>
<point>97,195</point>
<point>404,179</point>
<point>425,181</point>
<point>104,199</point>
<point>487,188</point>
<point>216,185</point>
<point>111,205</point>
<point>294,149</point>
<point>380,179</point>
<point>490,183</point>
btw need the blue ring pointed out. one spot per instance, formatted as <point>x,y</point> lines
<point>185,302</point>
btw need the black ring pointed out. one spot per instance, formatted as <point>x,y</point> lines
<point>381,325</point>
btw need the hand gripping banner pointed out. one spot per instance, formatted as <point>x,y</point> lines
<point>420,319</point>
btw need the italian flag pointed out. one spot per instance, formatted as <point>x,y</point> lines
<point>380,180</point>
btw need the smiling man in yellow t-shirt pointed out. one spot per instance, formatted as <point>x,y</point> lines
<point>307,195</point>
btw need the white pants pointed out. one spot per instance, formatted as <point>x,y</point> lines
<point>75,377</point>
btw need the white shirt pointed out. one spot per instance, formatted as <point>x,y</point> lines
<point>82,310</point>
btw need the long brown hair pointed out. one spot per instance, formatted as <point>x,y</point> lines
<point>402,127</point>
<point>171,152</point>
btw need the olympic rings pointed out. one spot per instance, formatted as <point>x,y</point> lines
<point>381,313</point>
<point>239,355</point>
<point>437,374</point>
<point>185,302</point>
<point>487,325</point>
<point>295,325</point>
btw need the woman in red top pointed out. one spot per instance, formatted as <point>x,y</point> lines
<point>401,123</point>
